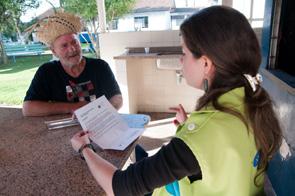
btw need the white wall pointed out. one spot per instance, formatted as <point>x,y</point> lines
<point>114,43</point>
<point>149,80</point>
<point>153,90</point>
<point>195,3</point>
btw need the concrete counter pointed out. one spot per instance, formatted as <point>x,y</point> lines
<point>154,52</point>
<point>36,161</point>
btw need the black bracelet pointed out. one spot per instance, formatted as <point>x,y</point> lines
<point>82,148</point>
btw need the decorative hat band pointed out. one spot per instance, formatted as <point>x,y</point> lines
<point>60,23</point>
<point>253,81</point>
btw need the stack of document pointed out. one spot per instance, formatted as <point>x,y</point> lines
<point>108,128</point>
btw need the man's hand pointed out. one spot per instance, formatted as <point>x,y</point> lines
<point>77,105</point>
<point>116,101</point>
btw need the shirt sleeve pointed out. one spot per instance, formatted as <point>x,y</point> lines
<point>109,82</point>
<point>173,162</point>
<point>38,88</point>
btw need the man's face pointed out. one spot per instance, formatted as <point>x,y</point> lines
<point>67,48</point>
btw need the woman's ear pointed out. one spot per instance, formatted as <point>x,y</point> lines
<point>209,67</point>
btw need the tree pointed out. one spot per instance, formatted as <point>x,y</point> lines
<point>88,11</point>
<point>117,8</point>
<point>10,12</point>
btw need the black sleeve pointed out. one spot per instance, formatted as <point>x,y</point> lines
<point>109,82</point>
<point>38,89</point>
<point>173,162</point>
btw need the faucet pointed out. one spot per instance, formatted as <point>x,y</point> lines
<point>179,77</point>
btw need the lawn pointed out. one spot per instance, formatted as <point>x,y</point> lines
<point>15,78</point>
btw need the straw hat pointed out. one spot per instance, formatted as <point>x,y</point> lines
<point>60,23</point>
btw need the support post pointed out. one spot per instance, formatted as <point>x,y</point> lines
<point>101,15</point>
<point>228,3</point>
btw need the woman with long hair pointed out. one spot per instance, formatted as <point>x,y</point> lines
<point>224,146</point>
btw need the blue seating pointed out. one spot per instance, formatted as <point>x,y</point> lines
<point>14,50</point>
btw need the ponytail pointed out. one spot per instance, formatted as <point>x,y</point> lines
<point>265,125</point>
<point>260,116</point>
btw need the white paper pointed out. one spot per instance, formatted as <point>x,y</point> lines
<point>108,129</point>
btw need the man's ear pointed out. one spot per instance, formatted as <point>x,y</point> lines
<point>52,50</point>
<point>209,67</point>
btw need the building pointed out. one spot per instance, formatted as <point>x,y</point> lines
<point>154,15</point>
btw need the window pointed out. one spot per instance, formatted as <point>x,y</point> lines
<point>113,24</point>
<point>177,20</point>
<point>252,9</point>
<point>141,22</point>
<point>280,60</point>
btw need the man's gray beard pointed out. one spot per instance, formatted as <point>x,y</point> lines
<point>71,65</point>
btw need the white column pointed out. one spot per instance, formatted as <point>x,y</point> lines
<point>228,3</point>
<point>101,15</point>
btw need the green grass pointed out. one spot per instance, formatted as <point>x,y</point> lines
<point>15,78</point>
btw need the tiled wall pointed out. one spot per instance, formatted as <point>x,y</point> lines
<point>144,87</point>
<point>154,90</point>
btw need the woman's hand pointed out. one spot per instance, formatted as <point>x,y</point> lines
<point>80,139</point>
<point>180,114</point>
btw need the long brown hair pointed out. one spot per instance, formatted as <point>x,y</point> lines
<point>226,37</point>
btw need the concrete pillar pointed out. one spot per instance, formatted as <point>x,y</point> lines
<point>101,15</point>
<point>228,3</point>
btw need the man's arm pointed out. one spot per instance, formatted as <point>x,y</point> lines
<point>116,101</point>
<point>44,108</point>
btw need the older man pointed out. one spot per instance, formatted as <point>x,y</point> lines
<point>63,86</point>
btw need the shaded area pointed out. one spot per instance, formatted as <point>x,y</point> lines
<point>24,63</point>
<point>155,137</point>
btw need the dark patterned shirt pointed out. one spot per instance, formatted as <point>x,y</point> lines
<point>52,83</point>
